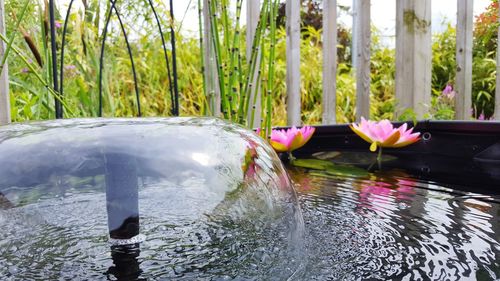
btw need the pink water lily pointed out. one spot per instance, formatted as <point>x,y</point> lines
<point>290,139</point>
<point>383,133</point>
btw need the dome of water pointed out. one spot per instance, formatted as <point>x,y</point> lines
<point>181,198</point>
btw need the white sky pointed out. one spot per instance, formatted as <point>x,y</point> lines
<point>383,14</point>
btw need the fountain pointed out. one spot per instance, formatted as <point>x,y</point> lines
<point>202,199</point>
<point>133,199</point>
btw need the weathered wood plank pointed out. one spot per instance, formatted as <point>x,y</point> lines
<point>253,14</point>
<point>463,80</point>
<point>363,40</point>
<point>329,101</point>
<point>293,62</point>
<point>4,76</point>
<point>210,70</point>
<point>413,56</point>
<point>496,115</point>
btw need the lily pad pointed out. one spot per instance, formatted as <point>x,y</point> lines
<point>316,164</point>
<point>330,168</point>
<point>361,158</point>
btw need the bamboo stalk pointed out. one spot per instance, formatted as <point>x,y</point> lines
<point>210,70</point>
<point>218,58</point>
<point>253,61</point>
<point>270,80</point>
<point>253,16</point>
<point>233,70</point>
<point>202,57</point>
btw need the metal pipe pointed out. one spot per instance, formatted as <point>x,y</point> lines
<point>63,44</point>
<point>53,47</point>
<point>174,58</point>
<point>101,59</point>
<point>122,199</point>
<point>172,97</point>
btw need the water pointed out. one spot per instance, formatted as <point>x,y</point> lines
<point>215,203</point>
<point>389,225</point>
<point>198,198</point>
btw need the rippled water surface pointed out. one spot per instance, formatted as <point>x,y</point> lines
<point>180,198</point>
<point>388,225</point>
<point>214,202</point>
<point>381,226</point>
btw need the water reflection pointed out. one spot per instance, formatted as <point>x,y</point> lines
<point>126,266</point>
<point>389,225</point>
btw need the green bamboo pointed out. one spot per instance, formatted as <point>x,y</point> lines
<point>226,110</point>
<point>247,86</point>
<point>13,35</point>
<point>202,57</point>
<point>227,56</point>
<point>270,80</point>
<point>225,25</point>
<point>257,86</point>
<point>233,69</point>
<point>259,83</point>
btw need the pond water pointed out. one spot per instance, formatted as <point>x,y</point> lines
<point>389,225</point>
<point>226,218</point>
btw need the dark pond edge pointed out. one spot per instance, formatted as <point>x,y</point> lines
<point>464,153</point>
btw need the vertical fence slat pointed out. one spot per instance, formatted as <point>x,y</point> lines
<point>413,56</point>
<point>293,62</point>
<point>496,115</point>
<point>354,44</point>
<point>329,61</point>
<point>253,14</point>
<point>363,40</point>
<point>4,78</point>
<point>210,70</point>
<point>463,80</point>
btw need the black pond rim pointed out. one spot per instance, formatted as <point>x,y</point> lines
<point>464,154</point>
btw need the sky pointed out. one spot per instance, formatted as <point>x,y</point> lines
<point>383,13</point>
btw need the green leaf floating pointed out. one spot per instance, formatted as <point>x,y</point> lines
<point>330,168</point>
<point>315,164</point>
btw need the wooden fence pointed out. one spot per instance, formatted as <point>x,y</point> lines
<point>413,59</point>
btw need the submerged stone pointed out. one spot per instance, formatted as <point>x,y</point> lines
<point>194,198</point>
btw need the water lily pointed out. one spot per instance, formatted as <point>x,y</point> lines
<point>383,133</point>
<point>290,139</point>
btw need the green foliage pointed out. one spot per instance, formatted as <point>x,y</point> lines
<point>443,73</point>
<point>484,65</point>
<point>33,98</point>
<point>383,71</point>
